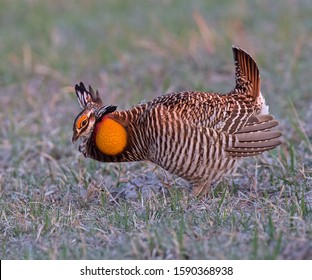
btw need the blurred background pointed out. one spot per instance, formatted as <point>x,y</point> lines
<point>130,51</point>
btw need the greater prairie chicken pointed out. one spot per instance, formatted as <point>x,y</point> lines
<point>198,136</point>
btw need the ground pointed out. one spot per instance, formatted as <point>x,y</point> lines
<point>56,204</point>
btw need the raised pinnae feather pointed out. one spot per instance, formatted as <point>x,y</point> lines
<point>82,95</point>
<point>87,97</point>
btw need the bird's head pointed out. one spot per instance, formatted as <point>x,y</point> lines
<point>83,125</point>
<point>92,110</point>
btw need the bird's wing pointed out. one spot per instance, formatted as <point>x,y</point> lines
<point>256,137</point>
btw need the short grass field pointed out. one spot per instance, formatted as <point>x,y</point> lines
<point>56,204</point>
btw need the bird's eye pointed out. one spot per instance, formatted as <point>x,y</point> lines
<point>84,122</point>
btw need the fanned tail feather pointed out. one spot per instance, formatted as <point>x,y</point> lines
<point>246,73</point>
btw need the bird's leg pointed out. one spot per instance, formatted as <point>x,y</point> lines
<point>201,189</point>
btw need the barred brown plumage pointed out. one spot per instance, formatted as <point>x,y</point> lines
<point>199,136</point>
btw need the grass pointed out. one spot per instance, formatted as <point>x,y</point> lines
<point>55,204</point>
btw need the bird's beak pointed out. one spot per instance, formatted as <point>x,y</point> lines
<point>75,137</point>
